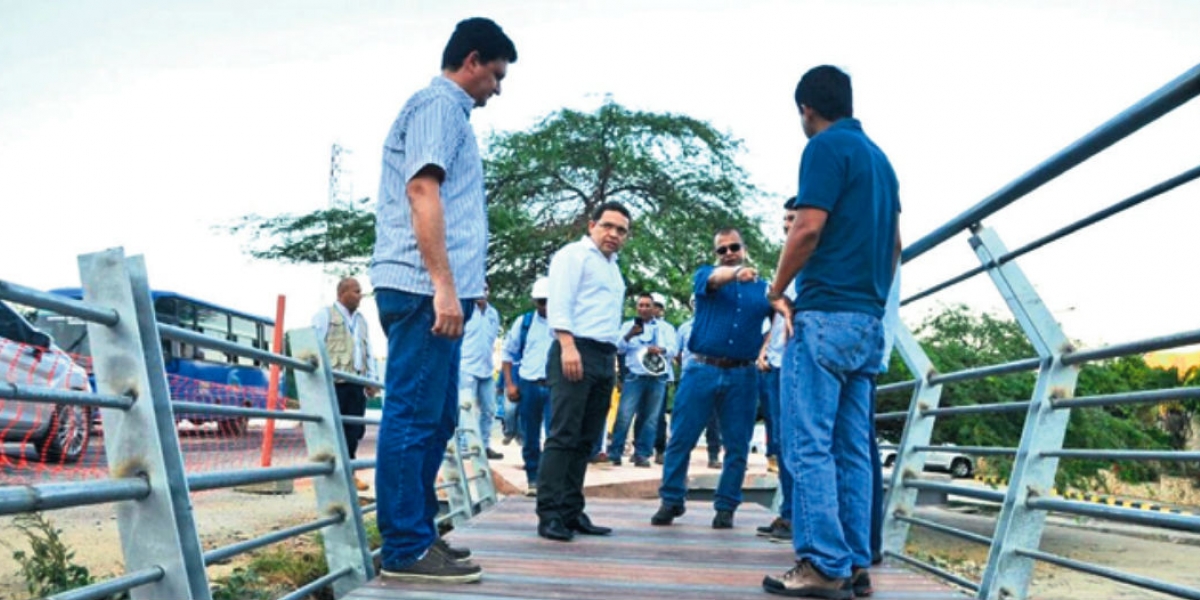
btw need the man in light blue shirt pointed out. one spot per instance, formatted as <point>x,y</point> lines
<point>647,349</point>
<point>525,351</point>
<point>476,377</point>
<point>427,269</point>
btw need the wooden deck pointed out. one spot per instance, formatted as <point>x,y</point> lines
<point>688,560</point>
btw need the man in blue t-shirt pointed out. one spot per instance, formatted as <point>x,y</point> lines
<point>841,251</point>
<point>731,304</point>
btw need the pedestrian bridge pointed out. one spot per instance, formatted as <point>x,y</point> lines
<point>163,557</point>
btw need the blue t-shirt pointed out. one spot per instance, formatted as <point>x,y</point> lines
<point>844,173</point>
<point>729,320</point>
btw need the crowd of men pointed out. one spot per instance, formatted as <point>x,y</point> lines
<point>825,343</point>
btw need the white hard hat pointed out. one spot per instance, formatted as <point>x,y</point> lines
<point>541,288</point>
<point>658,299</point>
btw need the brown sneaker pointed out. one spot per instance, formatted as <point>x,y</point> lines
<point>435,567</point>
<point>804,581</point>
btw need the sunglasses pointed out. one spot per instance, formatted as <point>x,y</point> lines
<point>721,250</point>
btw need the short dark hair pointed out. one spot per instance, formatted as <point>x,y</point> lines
<point>788,203</point>
<point>481,35</point>
<point>727,231</point>
<point>647,295</point>
<point>607,206</point>
<point>826,90</point>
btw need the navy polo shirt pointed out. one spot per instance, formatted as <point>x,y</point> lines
<point>729,320</point>
<point>844,173</point>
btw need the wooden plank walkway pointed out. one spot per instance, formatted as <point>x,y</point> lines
<point>688,560</point>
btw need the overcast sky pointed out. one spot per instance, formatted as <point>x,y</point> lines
<point>148,125</point>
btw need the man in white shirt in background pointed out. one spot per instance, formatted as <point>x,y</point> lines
<point>476,375</point>
<point>348,343</point>
<point>584,310</point>
<point>524,354</point>
<point>645,381</point>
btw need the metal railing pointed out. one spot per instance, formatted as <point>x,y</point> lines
<point>1024,504</point>
<point>151,491</point>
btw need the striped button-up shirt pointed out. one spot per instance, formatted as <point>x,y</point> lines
<point>479,343</point>
<point>433,128</point>
<point>586,292</point>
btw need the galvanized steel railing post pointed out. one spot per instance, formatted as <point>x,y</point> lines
<point>1008,572</point>
<point>152,535</point>
<point>483,494</point>
<point>918,431</point>
<point>346,542</point>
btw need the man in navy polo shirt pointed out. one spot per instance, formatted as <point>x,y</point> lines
<point>731,305</point>
<point>842,251</point>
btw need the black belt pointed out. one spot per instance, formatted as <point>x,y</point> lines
<point>604,347</point>
<point>721,363</point>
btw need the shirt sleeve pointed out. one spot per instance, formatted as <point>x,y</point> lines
<point>822,176</point>
<point>510,347</point>
<point>669,343</point>
<point>432,136</point>
<point>700,280</point>
<point>623,344</point>
<point>320,322</point>
<point>565,272</point>
<point>372,367</point>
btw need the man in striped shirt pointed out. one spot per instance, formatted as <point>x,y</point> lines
<point>428,268</point>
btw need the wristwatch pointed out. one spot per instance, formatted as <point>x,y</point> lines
<point>772,296</point>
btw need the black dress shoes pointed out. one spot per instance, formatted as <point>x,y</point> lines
<point>555,530</point>
<point>582,524</point>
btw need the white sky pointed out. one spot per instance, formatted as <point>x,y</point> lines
<point>146,124</point>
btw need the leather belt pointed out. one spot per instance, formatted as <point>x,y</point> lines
<point>721,363</point>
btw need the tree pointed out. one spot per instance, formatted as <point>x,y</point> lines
<point>678,176</point>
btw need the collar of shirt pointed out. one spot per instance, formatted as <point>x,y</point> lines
<point>459,95</point>
<point>351,319</point>
<point>847,123</point>
<point>591,245</point>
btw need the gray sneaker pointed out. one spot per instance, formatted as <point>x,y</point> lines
<point>435,567</point>
<point>456,554</point>
<point>803,580</point>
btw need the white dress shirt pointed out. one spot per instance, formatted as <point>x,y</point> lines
<point>586,292</point>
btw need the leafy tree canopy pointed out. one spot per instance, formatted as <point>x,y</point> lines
<point>678,175</point>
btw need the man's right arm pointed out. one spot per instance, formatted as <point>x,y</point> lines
<point>320,323</point>
<point>429,226</point>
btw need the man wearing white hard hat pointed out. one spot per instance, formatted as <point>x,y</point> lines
<point>524,355</point>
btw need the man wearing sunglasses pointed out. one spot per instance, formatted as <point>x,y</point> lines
<point>731,305</point>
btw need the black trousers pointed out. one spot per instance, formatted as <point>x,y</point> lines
<point>352,402</point>
<point>578,410</point>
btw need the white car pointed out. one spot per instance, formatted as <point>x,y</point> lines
<point>29,358</point>
<point>958,465</point>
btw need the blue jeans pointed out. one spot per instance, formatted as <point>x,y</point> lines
<point>876,489</point>
<point>734,395</point>
<point>420,414</point>
<point>483,391</point>
<point>828,371</point>
<point>535,415</point>
<point>641,396</point>
<point>773,392</point>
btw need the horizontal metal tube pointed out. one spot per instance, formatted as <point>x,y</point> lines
<point>378,551</point>
<point>1107,573</point>
<point>183,407</point>
<point>953,281</point>
<point>928,568</point>
<point>59,304</point>
<point>1165,342</point>
<point>1114,513</point>
<point>318,583</point>
<point>351,420</point>
<point>341,376</point>
<point>896,386</point>
<point>1160,102</point>
<point>198,482</point>
<point>888,447</point>
<point>955,490</point>
<point>45,395</point>
<point>892,416</point>
<point>1026,364</point>
<point>188,336</point>
<point>1142,397</point>
<point>1123,454</point>
<point>219,554</point>
<point>946,529</point>
<point>975,409</point>
<point>970,450</point>
<point>445,485</point>
<point>107,589</point>
<point>49,496</point>
<point>359,464</point>
<point>369,508</point>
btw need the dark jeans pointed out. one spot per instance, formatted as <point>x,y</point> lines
<point>577,413</point>
<point>352,402</point>
<point>712,433</point>
<point>534,414</point>
<point>420,414</point>
<point>660,438</point>
<point>876,489</point>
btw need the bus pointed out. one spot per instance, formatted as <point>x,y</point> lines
<point>194,374</point>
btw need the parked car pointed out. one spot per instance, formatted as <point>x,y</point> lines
<point>28,357</point>
<point>958,465</point>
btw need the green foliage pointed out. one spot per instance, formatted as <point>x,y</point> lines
<point>48,568</point>
<point>677,175</point>
<point>242,584</point>
<point>957,339</point>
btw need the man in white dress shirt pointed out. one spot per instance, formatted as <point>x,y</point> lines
<point>584,310</point>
